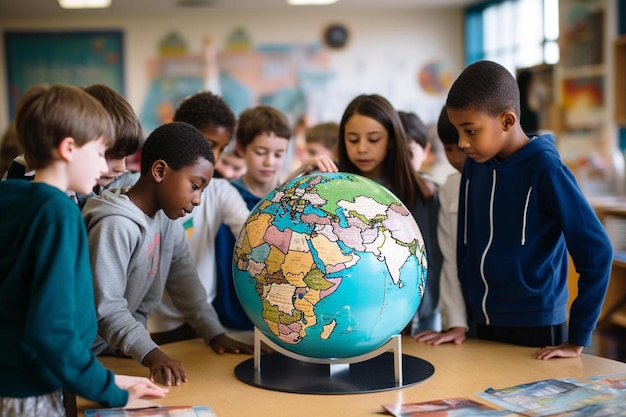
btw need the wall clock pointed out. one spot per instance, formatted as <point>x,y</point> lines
<point>335,36</point>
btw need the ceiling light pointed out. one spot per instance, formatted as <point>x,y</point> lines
<point>310,2</point>
<point>84,4</point>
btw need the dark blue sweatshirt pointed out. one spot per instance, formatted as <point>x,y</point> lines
<point>226,303</point>
<point>517,220</point>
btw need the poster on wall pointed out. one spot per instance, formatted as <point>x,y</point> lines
<point>583,102</point>
<point>281,75</point>
<point>435,77</point>
<point>173,75</point>
<point>289,77</point>
<point>581,40</point>
<point>76,58</point>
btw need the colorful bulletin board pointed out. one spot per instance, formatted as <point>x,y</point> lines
<point>62,57</point>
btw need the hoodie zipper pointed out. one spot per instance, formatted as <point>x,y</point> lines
<point>487,247</point>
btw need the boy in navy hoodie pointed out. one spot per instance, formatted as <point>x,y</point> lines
<point>520,212</point>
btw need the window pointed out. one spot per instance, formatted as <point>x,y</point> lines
<point>514,33</point>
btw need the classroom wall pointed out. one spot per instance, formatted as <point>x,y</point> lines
<point>385,51</point>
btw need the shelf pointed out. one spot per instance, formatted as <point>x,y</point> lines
<point>620,81</point>
<point>619,318</point>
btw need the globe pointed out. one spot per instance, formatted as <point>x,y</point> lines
<point>330,266</point>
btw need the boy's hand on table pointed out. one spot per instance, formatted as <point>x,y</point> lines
<point>431,337</point>
<point>566,350</point>
<point>164,369</point>
<point>222,344</point>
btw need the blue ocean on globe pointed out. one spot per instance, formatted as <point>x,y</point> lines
<point>330,266</point>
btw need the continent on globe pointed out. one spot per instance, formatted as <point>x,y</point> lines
<point>330,265</point>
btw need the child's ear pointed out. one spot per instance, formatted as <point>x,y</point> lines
<point>159,168</point>
<point>66,148</point>
<point>508,121</point>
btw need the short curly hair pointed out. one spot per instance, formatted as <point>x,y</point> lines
<point>204,110</point>
<point>487,87</point>
<point>178,144</point>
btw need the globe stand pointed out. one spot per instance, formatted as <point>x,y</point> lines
<point>378,370</point>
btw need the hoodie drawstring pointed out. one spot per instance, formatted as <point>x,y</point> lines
<point>482,258</point>
<point>524,220</point>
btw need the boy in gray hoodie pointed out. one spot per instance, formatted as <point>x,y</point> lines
<point>137,251</point>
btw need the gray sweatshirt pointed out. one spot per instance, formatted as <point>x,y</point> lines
<point>133,259</point>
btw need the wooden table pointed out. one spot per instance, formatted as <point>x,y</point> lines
<point>460,371</point>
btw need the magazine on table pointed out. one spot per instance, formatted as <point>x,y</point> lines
<point>451,407</point>
<point>615,382</point>
<point>549,397</point>
<point>154,411</point>
<point>613,407</point>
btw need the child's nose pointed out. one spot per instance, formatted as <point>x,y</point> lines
<point>104,166</point>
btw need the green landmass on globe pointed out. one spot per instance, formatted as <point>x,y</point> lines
<point>330,265</point>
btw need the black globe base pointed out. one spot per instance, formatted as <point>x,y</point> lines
<point>281,373</point>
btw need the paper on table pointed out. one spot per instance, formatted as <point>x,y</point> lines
<point>550,396</point>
